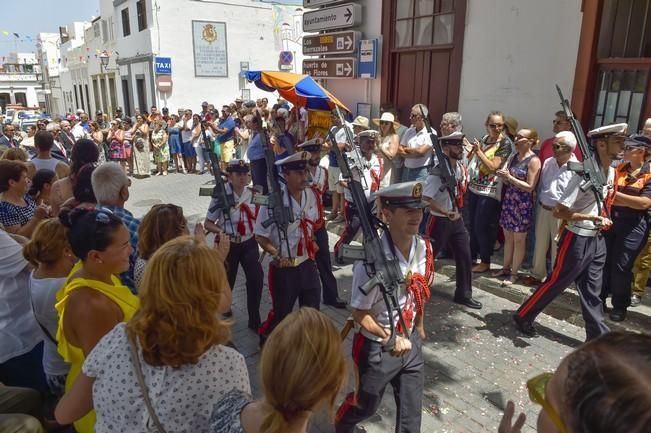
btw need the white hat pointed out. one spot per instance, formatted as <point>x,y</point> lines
<point>617,128</point>
<point>387,117</point>
<point>404,194</point>
<point>361,121</point>
<point>295,161</point>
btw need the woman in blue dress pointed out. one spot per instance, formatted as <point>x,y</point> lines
<point>174,142</point>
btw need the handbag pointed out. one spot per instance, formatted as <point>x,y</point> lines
<point>143,387</point>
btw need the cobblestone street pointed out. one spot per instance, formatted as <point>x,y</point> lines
<point>475,359</point>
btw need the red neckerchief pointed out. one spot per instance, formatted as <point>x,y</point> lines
<point>250,217</point>
<point>319,206</point>
<point>306,239</point>
<point>418,286</point>
<point>376,177</point>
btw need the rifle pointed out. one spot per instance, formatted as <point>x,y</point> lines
<point>444,169</point>
<point>590,169</point>
<point>279,214</point>
<point>384,273</point>
<point>223,200</point>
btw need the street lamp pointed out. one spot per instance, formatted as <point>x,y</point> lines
<point>104,60</point>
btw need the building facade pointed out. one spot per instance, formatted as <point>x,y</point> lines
<point>204,44</point>
<point>476,56</point>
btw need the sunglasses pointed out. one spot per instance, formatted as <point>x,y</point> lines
<point>536,387</point>
<point>384,122</point>
<point>496,125</point>
<point>414,116</point>
<point>560,146</point>
<point>517,137</point>
<point>630,147</point>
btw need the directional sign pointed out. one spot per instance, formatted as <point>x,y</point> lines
<point>331,43</point>
<point>344,67</point>
<point>317,3</point>
<point>338,17</point>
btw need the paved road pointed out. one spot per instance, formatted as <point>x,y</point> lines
<point>474,360</point>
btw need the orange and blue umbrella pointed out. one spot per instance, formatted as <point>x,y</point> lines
<point>300,90</point>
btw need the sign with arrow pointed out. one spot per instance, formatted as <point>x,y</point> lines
<point>331,43</point>
<point>339,67</point>
<point>337,17</point>
<point>318,3</point>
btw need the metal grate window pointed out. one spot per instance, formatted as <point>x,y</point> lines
<point>620,97</point>
<point>625,29</point>
<point>421,23</point>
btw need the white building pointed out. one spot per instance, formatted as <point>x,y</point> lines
<point>20,80</point>
<point>48,52</point>
<point>475,56</point>
<point>208,43</point>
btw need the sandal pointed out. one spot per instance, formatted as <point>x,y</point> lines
<point>504,272</point>
<point>510,281</point>
<point>481,268</point>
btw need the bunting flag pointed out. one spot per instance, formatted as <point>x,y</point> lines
<point>17,35</point>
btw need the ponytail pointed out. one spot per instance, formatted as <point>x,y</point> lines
<point>274,421</point>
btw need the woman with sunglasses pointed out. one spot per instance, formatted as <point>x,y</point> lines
<point>485,191</point>
<point>630,230</point>
<point>140,133</point>
<point>601,387</point>
<point>93,300</point>
<point>389,145</point>
<point>517,217</point>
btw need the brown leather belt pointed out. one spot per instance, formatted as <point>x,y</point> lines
<point>545,207</point>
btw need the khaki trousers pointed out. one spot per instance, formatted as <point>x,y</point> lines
<point>546,232</point>
<point>641,269</point>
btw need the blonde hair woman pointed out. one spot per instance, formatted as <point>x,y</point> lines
<point>302,369</point>
<point>389,145</point>
<point>174,344</point>
<point>52,257</point>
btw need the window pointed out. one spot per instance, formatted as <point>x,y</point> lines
<point>141,8</point>
<point>624,29</point>
<point>96,30</point>
<point>142,97</point>
<point>87,98</point>
<point>96,94</point>
<point>620,97</point>
<point>21,98</point>
<point>423,23</point>
<point>112,94</point>
<point>74,86</point>
<point>126,27</point>
<point>105,34</point>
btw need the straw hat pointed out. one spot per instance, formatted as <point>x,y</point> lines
<point>387,117</point>
<point>361,121</point>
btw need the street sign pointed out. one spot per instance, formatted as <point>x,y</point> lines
<point>317,3</point>
<point>244,66</point>
<point>368,50</point>
<point>286,57</point>
<point>340,67</point>
<point>331,43</point>
<point>337,17</point>
<point>163,65</point>
<point>164,83</point>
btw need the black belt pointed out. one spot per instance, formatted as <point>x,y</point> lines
<point>545,207</point>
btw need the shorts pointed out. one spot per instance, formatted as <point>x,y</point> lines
<point>187,150</point>
<point>227,150</point>
<point>333,180</point>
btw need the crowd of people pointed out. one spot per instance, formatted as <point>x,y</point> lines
<point>112,323</point>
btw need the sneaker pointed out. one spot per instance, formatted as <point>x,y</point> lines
<point>635,300</point>
<point>618,314</point>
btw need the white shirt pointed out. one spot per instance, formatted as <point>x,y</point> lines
<point>373,300</point>
<point>79,132</point>
<point>583,202</point>
<point>182,398</point>
<point>186,135</point>
<point>414,139</point>
<point>372,173</point>
<point>319,178</point>
<point>43,291</point>
<point>553,181</point>
<point>340,135</point>
<point>434,190</point>
<point>242,215</point>
<point>19,332</point>
<point>45,164</point>
<point>305,214</point>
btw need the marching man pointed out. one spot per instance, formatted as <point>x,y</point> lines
<point>292,273</point>
<point>318,183</point>
<point>372,171</point>
<point>402,208</point>
<point>445,224</point>
<point>581,247</point>
<point>239,227</point>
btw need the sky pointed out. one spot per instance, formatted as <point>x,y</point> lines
<point>30,17</point>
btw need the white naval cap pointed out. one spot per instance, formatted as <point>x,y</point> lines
<point>455,138</point>
<point>404,194</point>
<point>295,161</point>
<point>603,131</point>
<point>313,145</point>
